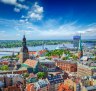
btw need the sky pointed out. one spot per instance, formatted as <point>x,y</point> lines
<point>47,19</point>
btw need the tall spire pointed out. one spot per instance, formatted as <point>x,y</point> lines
<point>24,55</point>
<point>80,44</point>
<point>24,41</point>
<point>80,50</point>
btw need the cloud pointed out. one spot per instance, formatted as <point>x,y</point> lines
<point>64,31</point>
<point>35,13</point>
<point>38,9</point>
<point>52,30</point>
<point>18,6</point>
<point>90,30</point>
<point>12,2</point>
<point>2,31</point>
<point>35,16</point>
<point>16,9</point>
<point>21,6</point>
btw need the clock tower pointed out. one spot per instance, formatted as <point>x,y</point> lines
<point>24,55</point>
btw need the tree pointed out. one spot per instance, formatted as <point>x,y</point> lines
<point>26,75</point>
<point>4,67</point>
<point>40,75</point>
<point>74,57</point>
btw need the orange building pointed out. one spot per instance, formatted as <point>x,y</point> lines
<point>68,85</point>
<point>64,87</point>
<point>30,87</point>
<point>67,66</point>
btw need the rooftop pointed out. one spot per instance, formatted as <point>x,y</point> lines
<point>31,63</point>
<point>45,60</point>
<point>86,66</point>
<point>67,61</point>
<point>91,88</point>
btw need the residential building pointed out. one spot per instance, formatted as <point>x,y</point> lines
<point>46,64</point>
<point>85,70</point>
<point>54,81</point>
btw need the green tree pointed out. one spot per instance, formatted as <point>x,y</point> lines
<point>4,67</point>
<point>40,75</point>
<point>26,75</point>
<point>74,57</point>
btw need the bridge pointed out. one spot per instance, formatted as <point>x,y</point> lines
<point>9,51</point>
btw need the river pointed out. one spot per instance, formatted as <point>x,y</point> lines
<point>32,48</point>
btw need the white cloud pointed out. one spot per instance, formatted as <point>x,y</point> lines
<point>38,9</point>
<point>13,2</point>
<point>21,6</point>
<point>16,4</point>
<point>36,12</point>
<point>64,31</point>
<point>35,16</point>
<point>56,31</point>
<point>16,9</point>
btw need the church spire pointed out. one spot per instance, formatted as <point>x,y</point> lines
<point>80,44</point>
<point>24,41</point>
<point>24,55</point>
<point>80,49</point>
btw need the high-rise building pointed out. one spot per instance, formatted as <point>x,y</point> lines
<point>23,55</point>
<point>76,39</point>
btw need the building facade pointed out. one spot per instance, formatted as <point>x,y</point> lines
<point>83,70</point>
<point>46,65</point>
<point>67,66</point>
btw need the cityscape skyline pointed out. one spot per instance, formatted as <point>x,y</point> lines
<point>47,20</point>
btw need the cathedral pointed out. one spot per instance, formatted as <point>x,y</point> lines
<point>23,55</point>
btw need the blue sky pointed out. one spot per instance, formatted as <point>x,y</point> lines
<point>47,19</point>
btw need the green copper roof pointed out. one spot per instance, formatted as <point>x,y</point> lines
<point>80,45</point>
<point>24,65</point>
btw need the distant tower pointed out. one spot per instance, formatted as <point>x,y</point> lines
<point>80,50</point>
<point>43,45</point>
<point>24,55</point>
<point>76,39</point>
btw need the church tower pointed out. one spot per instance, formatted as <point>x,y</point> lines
<point>24,55</point>
<point>80,49</point>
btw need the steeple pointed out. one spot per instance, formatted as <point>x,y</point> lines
<point>80,44</point>
<point>24,41</point>
<point>80,49</point>
<point>24,55</point>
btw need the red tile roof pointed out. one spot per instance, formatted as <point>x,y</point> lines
<point>31,63</point>
<point>30,87</point>
<point>42,52</point>
<point>32,52</point>
<point>4,63</point>
<point>63,87</point>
